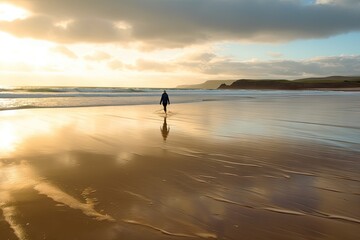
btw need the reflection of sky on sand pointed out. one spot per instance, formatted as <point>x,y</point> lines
<point>321,119</point>
<point>16,177</point>
<point>7,138</point>
<point>226,170</point>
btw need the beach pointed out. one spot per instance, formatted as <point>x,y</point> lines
<point>285,167</point>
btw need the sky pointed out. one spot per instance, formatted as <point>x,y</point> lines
<point>165,43</point>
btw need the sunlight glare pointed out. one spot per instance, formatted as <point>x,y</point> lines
<point>10,13</point>
<point>8,139</point>
<point>24,51</point>
<point>64,24</point>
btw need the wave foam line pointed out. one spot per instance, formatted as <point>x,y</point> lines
<point>139,196</point>
<point>235,163</point>
<point>295,172</point>
<point>219,199</point>
<point>338,217</point>
<point>163,231</point>
<point>284,211</point>
<point>271,209</point>
<point>290,212</point>
<point>9,215</point>
<point>61,197</point>
<point>195,178</point>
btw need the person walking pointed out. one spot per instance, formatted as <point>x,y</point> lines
<point>165,100</point>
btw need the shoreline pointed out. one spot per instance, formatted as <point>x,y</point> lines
<point>180,97</point>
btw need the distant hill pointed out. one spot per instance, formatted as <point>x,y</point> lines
<point>333,82</point>
<point>328,79</point>
<point>210,84</point>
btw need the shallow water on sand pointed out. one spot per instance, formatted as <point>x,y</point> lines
<point>287,168</point>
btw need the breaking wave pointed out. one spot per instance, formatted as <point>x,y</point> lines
<point>60,97</point>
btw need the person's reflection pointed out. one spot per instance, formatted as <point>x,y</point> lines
<point>165,129</point>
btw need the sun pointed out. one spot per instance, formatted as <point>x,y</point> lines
<point>17,53</point>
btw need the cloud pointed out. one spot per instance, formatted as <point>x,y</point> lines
<point>201,62</point>
<point>325,66</point>
<point>179,23</point>
<point>98,56</point>
<point>275,54</point>
<point>64,51</point>
<point>229,68</point>
<point>199,57</point>
<point>156,66</point>
<point>78,30</point>
<point>16,67</point>
<point>339,2</point>
<point>116,65</point>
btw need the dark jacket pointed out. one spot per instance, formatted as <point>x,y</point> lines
<point>164,99</point>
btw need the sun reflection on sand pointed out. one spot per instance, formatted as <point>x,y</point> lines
<point>16,176</point>
<point>14,134</point>
<point>8,138</point>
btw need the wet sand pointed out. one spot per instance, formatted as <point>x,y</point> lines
<point>285,168</point>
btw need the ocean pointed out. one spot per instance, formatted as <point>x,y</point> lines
<point>65,97</point>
